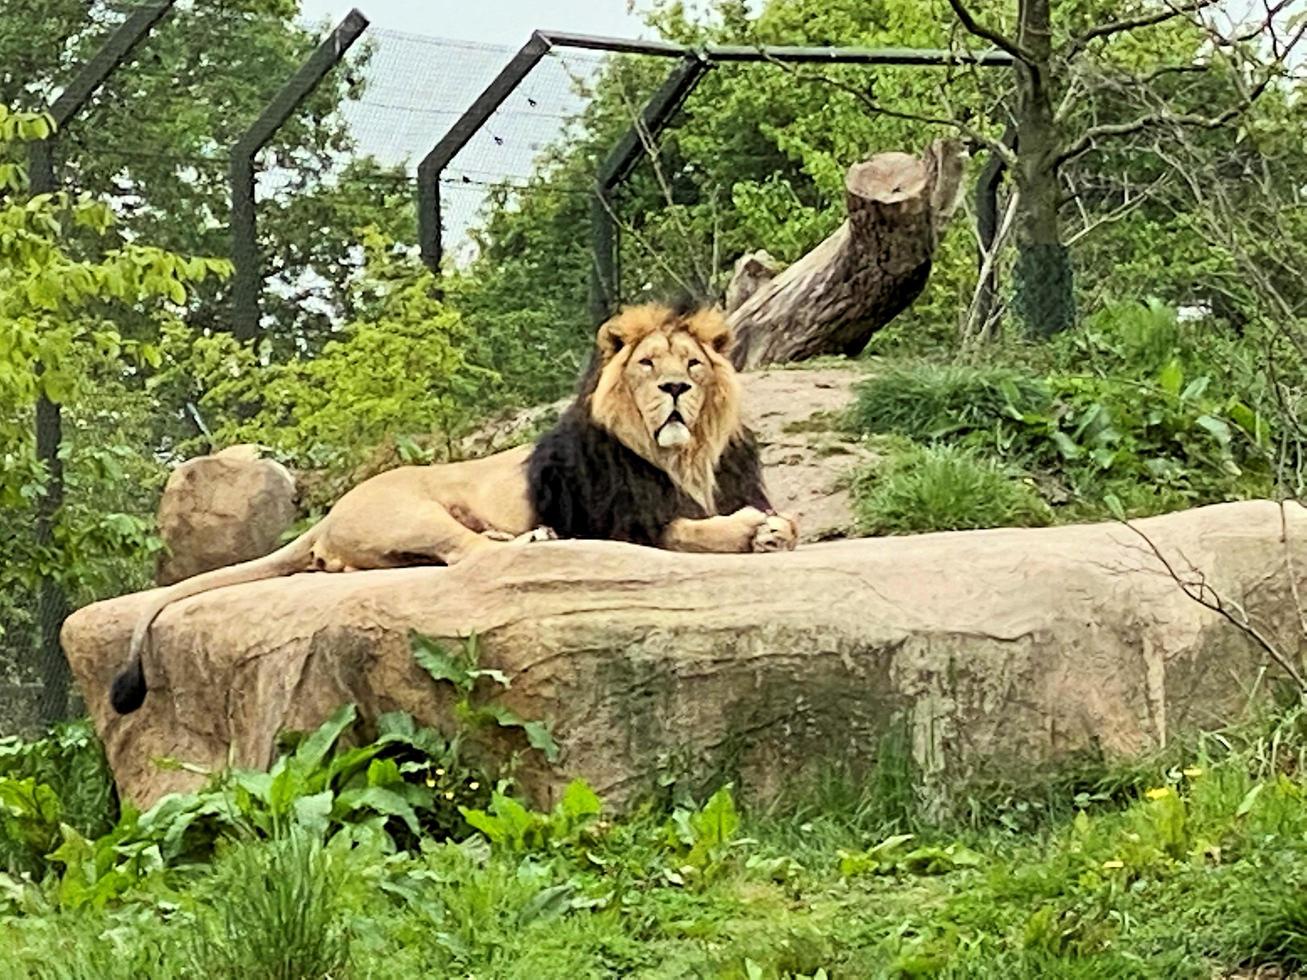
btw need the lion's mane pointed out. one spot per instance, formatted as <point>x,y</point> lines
<point>596,475</point>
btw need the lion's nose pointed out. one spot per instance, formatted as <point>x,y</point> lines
<point>674,388</point>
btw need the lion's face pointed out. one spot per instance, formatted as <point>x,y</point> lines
<point>669,377</point>
<point>667,390</point>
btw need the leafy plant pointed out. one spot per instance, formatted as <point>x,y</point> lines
<point>61,779</point>
<point>510,825</point>
<point>462,669</point>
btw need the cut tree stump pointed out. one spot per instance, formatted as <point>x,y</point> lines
<point>872,268</point>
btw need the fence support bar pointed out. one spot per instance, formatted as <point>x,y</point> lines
<point>429,170</point>
<point>52,603</point>
<point>247,281</point>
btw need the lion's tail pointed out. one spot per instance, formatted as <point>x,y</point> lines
<point>129,687</point>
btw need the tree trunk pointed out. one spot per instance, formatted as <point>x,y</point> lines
<point>833,299</point>
<point>1045,296</point>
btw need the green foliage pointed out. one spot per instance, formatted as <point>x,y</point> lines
<point>927,402</point>
<point>402,367</point>
<point>1136,414</point>
<point>463,670</point>
<point>60,780</point>
<point>1192,869</point>
<point>934,488</point>
<point>508,824</point>
<point>276,912</point>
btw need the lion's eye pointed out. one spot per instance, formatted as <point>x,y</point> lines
<point>646,362</point>
<point>694,362</point>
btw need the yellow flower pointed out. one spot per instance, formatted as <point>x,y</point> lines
<point>1194,772</point>
<point>1113,865</point>
<point>1161,793</point>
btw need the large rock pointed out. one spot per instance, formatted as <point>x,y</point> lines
<point>221,509</point>
<point>994,648</point>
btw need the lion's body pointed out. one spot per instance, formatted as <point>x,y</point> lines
<point>652,452</point>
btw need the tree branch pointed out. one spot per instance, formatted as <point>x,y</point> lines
<point>1125,24</point>
<point>1090,138</point>
<point>997,147</point>
<point>1200,591</point>
<point>979,30</point>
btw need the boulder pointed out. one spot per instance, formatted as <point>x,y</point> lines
<point>991,650</point>
<point>221,509</point>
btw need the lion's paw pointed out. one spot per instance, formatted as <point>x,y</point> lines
<point>541,533</point>
<point>776,533</point>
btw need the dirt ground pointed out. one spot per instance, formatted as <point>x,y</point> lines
<point>794,413</point>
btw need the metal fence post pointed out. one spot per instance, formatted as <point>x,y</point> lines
<point>247,282</point>
<point>635,143</point>
<point>434,163</point>
<point>52,602</point>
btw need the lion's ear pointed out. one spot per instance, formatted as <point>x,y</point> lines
<point>609,340</point>
<point>710,328</point>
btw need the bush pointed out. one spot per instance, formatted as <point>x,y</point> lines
<point>60,779</point>
<point>1134,409</point>
<point>942,488</point>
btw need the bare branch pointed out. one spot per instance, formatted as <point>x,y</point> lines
<point>1126,24</point>
<point>1116,214</point>
<point>1091,137</point>
<point>1198,589</point>
<point>982,323</point>
<point>1000,41</point>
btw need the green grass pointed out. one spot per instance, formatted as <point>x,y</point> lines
<point>1129,413</point>
<point>944,488</point>
<point>1191,864</point>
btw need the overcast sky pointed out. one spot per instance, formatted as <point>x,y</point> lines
<point>492,21</point>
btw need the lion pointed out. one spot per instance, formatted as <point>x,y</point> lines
<point>652,451</point>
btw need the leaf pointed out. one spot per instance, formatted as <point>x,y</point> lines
<point>314,749</point>
<point>537,732</point>
<point>549,903</point>
<point>436,661</point>
<point>1114,506</point>
<point>379,800</point>
<point>1217,427</point>
<point>1171,377</point>
<point>314,812</point>
<point>1250,799</point>
<point>1195,388</point>
<point>718,821</point>
<point>579,800</point>
<point>1065,445</point>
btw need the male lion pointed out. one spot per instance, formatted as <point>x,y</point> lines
<point>652,451</point>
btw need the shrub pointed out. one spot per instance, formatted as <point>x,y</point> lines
<point>62,778</point>
<point>941,488</point>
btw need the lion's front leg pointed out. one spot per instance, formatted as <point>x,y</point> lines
<point>748,529</point>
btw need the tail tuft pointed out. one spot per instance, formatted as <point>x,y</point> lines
<point>129,687</point>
